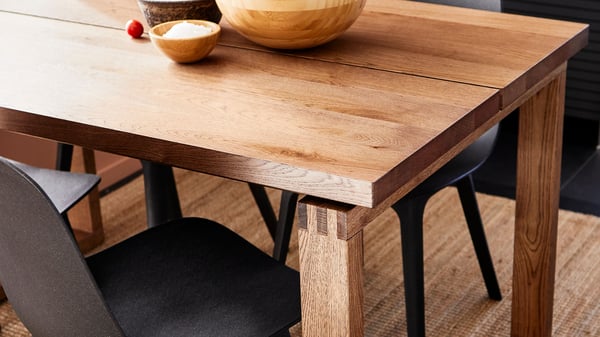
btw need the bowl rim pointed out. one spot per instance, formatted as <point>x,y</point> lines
<point>216,29</point>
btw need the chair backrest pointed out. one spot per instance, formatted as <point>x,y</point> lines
<point>490,5</point>
<point>583,71</point>
<point>477,153</point>
<point>64,188</point>
<point>44,274</point>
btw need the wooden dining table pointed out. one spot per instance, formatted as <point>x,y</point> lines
<point>353,125</point>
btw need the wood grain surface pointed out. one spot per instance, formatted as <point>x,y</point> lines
<point>331,274</point>
<point>294,120</point>
<point>359,121</point>
<point>537,195</point>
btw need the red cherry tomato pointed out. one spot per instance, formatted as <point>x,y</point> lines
<point>134,28</point>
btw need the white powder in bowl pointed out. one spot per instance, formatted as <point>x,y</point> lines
<point>185,30</point>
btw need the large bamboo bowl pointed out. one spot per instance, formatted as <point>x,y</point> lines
<point>291,24</point>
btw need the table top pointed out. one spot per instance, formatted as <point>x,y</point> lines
<point>408,85</point>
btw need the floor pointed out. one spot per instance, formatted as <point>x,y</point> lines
<point>580,178</point>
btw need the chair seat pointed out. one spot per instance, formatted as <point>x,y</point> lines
<point>64,188</point>
<point>146,286</point>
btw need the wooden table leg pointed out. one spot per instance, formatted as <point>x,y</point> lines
<point>331,273</point>
<point>537,197</point>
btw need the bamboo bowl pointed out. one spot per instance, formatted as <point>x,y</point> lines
<point>291,24</point>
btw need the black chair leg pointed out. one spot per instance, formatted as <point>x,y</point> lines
<point>466,191</point>
<point>280,227</point>
<point>64,158</point>
<point>410,213</point>
<point>287,210</point>
<point>264,206</point>
<point>162,200</point>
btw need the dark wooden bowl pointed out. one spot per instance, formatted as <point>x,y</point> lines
<point>159,11</point>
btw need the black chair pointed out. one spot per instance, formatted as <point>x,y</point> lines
<point>410,210</point>
<point>489,5</point>
<point>64,189</point>
<point>191,277</point>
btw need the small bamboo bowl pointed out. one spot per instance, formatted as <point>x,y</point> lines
<point>185,50</point>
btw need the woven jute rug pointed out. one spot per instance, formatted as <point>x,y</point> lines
<point>456,299</point>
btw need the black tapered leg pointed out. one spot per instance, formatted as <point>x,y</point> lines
<point>64,158</point>
<point>287,210</point>
<point>279,227</point>
<point>162,200</point>
<point>264,206</point>
<point>466,191</point>
<point>410,213</point>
